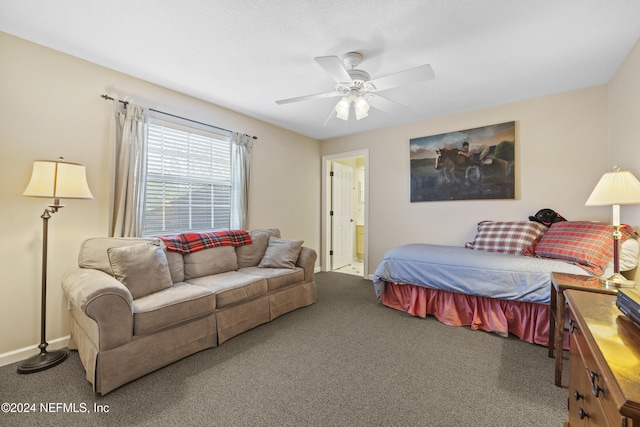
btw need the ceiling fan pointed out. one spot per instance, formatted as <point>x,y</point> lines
<point>356,87</point>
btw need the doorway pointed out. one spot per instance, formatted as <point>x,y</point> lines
<point>345,213</point>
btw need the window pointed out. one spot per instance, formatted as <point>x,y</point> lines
<point>188,183</point>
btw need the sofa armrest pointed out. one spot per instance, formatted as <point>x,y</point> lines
<point>104,299</point>
<point>307,260</point>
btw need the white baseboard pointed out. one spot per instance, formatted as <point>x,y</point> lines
<point>26,352</point>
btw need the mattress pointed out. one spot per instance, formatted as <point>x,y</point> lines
<point>472,272</point>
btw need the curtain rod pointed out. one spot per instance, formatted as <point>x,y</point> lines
<point>108,98</point>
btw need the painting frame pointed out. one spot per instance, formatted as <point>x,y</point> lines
<point>471,164</point>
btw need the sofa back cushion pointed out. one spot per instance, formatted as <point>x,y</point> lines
<point>142,268</point>
<point>210,261</point>
<point>251,255</point>
<point>93,254</point>
<point>176,266</point>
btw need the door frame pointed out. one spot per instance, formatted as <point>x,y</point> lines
<point>326,206</point>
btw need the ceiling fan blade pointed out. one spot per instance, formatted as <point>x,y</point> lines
<point>308,97</point>
<point>333,66</point>
<point>332,119</point>
<point>404,78</point>
<point>383,104</point>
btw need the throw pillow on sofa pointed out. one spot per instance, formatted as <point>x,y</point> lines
<point>281,253</point>
<point>142,268</point>
<point>251,255</point>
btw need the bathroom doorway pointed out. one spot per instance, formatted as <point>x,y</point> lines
<point>345,213</point>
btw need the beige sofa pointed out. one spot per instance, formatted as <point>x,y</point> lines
<point>136,307</point>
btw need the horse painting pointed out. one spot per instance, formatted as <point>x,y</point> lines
<point>454,165</point>
<point>442,168</point>
<point>459,168</point>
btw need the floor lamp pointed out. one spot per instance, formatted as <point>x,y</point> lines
<point>54,179</point>
<point>614,189</point>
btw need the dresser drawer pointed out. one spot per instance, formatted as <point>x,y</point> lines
<point>603,356</point>
<point>584,408</point>
<point>598,401</point>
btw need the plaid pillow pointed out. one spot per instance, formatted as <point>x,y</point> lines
<point>586,244</point>
<point>509,237</point>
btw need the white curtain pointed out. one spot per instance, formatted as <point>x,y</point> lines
<point>129,138</point>
<point>241,147</point>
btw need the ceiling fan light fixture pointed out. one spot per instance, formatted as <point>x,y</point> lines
<point>342,108</point>
<point>362,107</point>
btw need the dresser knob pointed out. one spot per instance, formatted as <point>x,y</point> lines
<point>577,395</point>
<point>572,326</point>
<point>582,414</point>
<point>595,389</point>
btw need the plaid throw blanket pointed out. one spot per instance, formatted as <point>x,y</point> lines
<point>187,243</point>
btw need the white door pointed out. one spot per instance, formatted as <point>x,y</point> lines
<point>342,216</point>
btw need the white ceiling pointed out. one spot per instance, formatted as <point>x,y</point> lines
<point>246,54</point>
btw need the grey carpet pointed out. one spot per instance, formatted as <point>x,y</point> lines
<point>345,361</point>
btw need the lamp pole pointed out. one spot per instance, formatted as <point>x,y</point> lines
<point>45,359</point>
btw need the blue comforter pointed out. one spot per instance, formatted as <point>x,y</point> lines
<point>473,272</point>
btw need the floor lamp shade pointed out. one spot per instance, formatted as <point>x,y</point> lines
<point>58,180</point>
<point>54,179</point>
<point>614,189</point>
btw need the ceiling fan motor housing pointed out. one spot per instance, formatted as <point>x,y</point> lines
<point>360,75</point>
<point>352,60</point>
<point>359,78</point>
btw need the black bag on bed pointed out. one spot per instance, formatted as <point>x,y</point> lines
<point>547,217</point>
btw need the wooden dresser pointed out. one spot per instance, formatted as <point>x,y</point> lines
<point>604,363</point>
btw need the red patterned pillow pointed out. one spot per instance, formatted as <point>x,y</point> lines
<point>584,243</point>
<point>509,237</point>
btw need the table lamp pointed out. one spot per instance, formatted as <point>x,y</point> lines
<point>616,188</point>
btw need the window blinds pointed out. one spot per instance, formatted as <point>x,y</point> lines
<point>188,183</point>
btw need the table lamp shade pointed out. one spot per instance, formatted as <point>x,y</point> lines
<point>615,188</point>
<point>58,180</point>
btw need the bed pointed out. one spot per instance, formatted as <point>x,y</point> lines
<point>501,281</point>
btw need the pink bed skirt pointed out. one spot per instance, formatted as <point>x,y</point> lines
<point>528,321</point>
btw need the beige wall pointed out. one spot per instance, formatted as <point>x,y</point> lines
<point>624,123</point>
<point>51,107</point>
<point>561,152</point>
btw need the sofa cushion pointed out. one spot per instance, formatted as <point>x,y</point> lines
<point>142,268</point>
<point>93,254</point>
<point>171,306</point>
<point>232,287</point>
<point>210,261</point>
<point>281,253</point>
<point>251,255</point>
<point>176,266</point>
<point>277,278</point>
